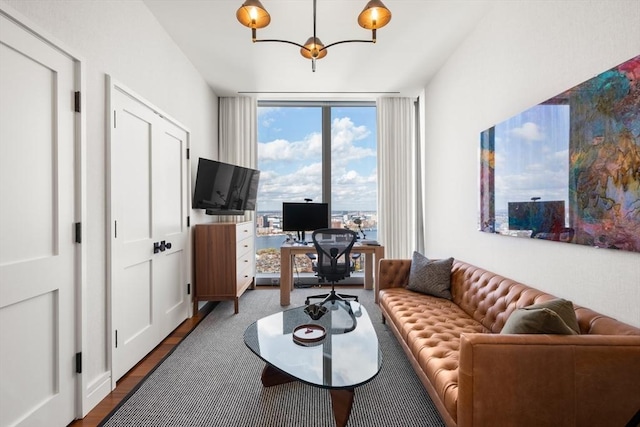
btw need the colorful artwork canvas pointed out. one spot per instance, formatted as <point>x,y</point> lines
<point>568,169</point>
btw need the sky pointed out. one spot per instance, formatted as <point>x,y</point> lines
<point>532,156</point>
<point>290,157</point>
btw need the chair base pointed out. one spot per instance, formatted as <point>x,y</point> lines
<point>331,296</point>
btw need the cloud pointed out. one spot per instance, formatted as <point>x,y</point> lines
<point>534,181</point>
<point>529,131</point>
<point>292,170</point>
<point>282,150</point>
<point>267,122</point>
<point>303,182</point>
<point>344,134</point>
<point>263,111</point>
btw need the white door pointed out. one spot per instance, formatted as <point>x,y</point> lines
<point>149,234</point>
<point>37,249</point>
<point>171,189</point>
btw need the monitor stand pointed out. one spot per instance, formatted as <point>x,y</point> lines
<point>301,238</point>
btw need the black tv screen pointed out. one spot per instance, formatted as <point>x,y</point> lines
<point>304,216</point>
<point>537,216</point>
<point>225,189</point>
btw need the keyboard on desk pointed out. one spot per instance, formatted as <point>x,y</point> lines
<point>369,242</point>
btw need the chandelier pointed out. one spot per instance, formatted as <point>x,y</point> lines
<point>253,15</point>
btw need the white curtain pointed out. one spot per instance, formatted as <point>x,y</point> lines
<point>237,136</point>
<point>397,177</point>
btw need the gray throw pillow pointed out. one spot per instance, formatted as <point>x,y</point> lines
<point>430,277</point>
<point>543,319</point>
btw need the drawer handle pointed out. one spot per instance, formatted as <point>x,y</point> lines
<point>246,246</point>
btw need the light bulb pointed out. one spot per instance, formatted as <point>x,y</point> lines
<point>253,13</point>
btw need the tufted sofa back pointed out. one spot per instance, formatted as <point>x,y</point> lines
<point>490,299</point>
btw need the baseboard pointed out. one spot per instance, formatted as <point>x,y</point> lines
<point>96,391</point>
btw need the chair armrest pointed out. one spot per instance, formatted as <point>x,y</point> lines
<point>548,379</point>
<point>392,273</point>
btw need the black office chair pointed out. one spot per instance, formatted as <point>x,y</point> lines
<point>334,262</point>
<point>314,264</point>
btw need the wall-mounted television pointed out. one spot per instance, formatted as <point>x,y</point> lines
<point>301,217</point>
<point>225,189</point>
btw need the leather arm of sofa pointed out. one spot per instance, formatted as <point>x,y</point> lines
<point>392,273</point>
<point>548,380</point>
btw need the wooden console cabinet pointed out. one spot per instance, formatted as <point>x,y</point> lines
<point>224,257</point>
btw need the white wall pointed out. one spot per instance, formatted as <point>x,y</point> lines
<point>124,40</point>
<point>522,53</point>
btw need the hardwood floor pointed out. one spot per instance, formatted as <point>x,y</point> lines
<point>132,378</point>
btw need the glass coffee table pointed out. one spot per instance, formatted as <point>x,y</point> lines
<point>337,350</point>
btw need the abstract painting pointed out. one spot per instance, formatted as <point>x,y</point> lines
<point>568,169</point>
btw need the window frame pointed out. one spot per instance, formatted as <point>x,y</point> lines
<point>326,120</point>
<point>326,134</point>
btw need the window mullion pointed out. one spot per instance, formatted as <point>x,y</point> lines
<point>326,156</point>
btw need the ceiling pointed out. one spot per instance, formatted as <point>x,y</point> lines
<point>421,36</point>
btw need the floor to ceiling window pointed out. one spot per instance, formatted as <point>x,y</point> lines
<point>325,152</point>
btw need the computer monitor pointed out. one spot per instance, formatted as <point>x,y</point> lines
<point>301,217</point>
<point>537,216</point>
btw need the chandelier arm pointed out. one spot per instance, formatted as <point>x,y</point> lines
<point>283,41</point>
<point>346,41</point>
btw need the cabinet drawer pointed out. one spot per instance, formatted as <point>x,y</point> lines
<point>245,246</point>
<point>245,259</point>
<point>244,273</point>
<point>244,230</point>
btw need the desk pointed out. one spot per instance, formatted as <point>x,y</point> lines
<point>372,255</point>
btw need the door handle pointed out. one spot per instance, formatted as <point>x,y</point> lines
<point>161,246</point>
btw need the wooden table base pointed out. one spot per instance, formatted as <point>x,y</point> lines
<point>341,399</point>
<point>272,376</point>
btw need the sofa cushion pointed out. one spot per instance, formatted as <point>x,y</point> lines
<point>430,277</point>
<point>551,317</point>
<point>431,328</point>
<point>488,297</point>
<point>562,308</point>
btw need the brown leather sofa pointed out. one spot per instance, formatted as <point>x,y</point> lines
<point>478,377</point>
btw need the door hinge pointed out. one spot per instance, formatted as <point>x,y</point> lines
<point>76,102</point>
<point>78,232</point>
<point>188,221</point>
<point>188,153</point>
<point>79,363</point>
<point>116,338</point>
<point>188,288</point>
<point>114,119</point>
<point>115,229</point>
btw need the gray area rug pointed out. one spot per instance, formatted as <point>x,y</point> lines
<point>213,379</point>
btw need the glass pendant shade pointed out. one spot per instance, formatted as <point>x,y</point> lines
<point>374,15</point>
<point>253,15</point>
<point>314,45</point>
